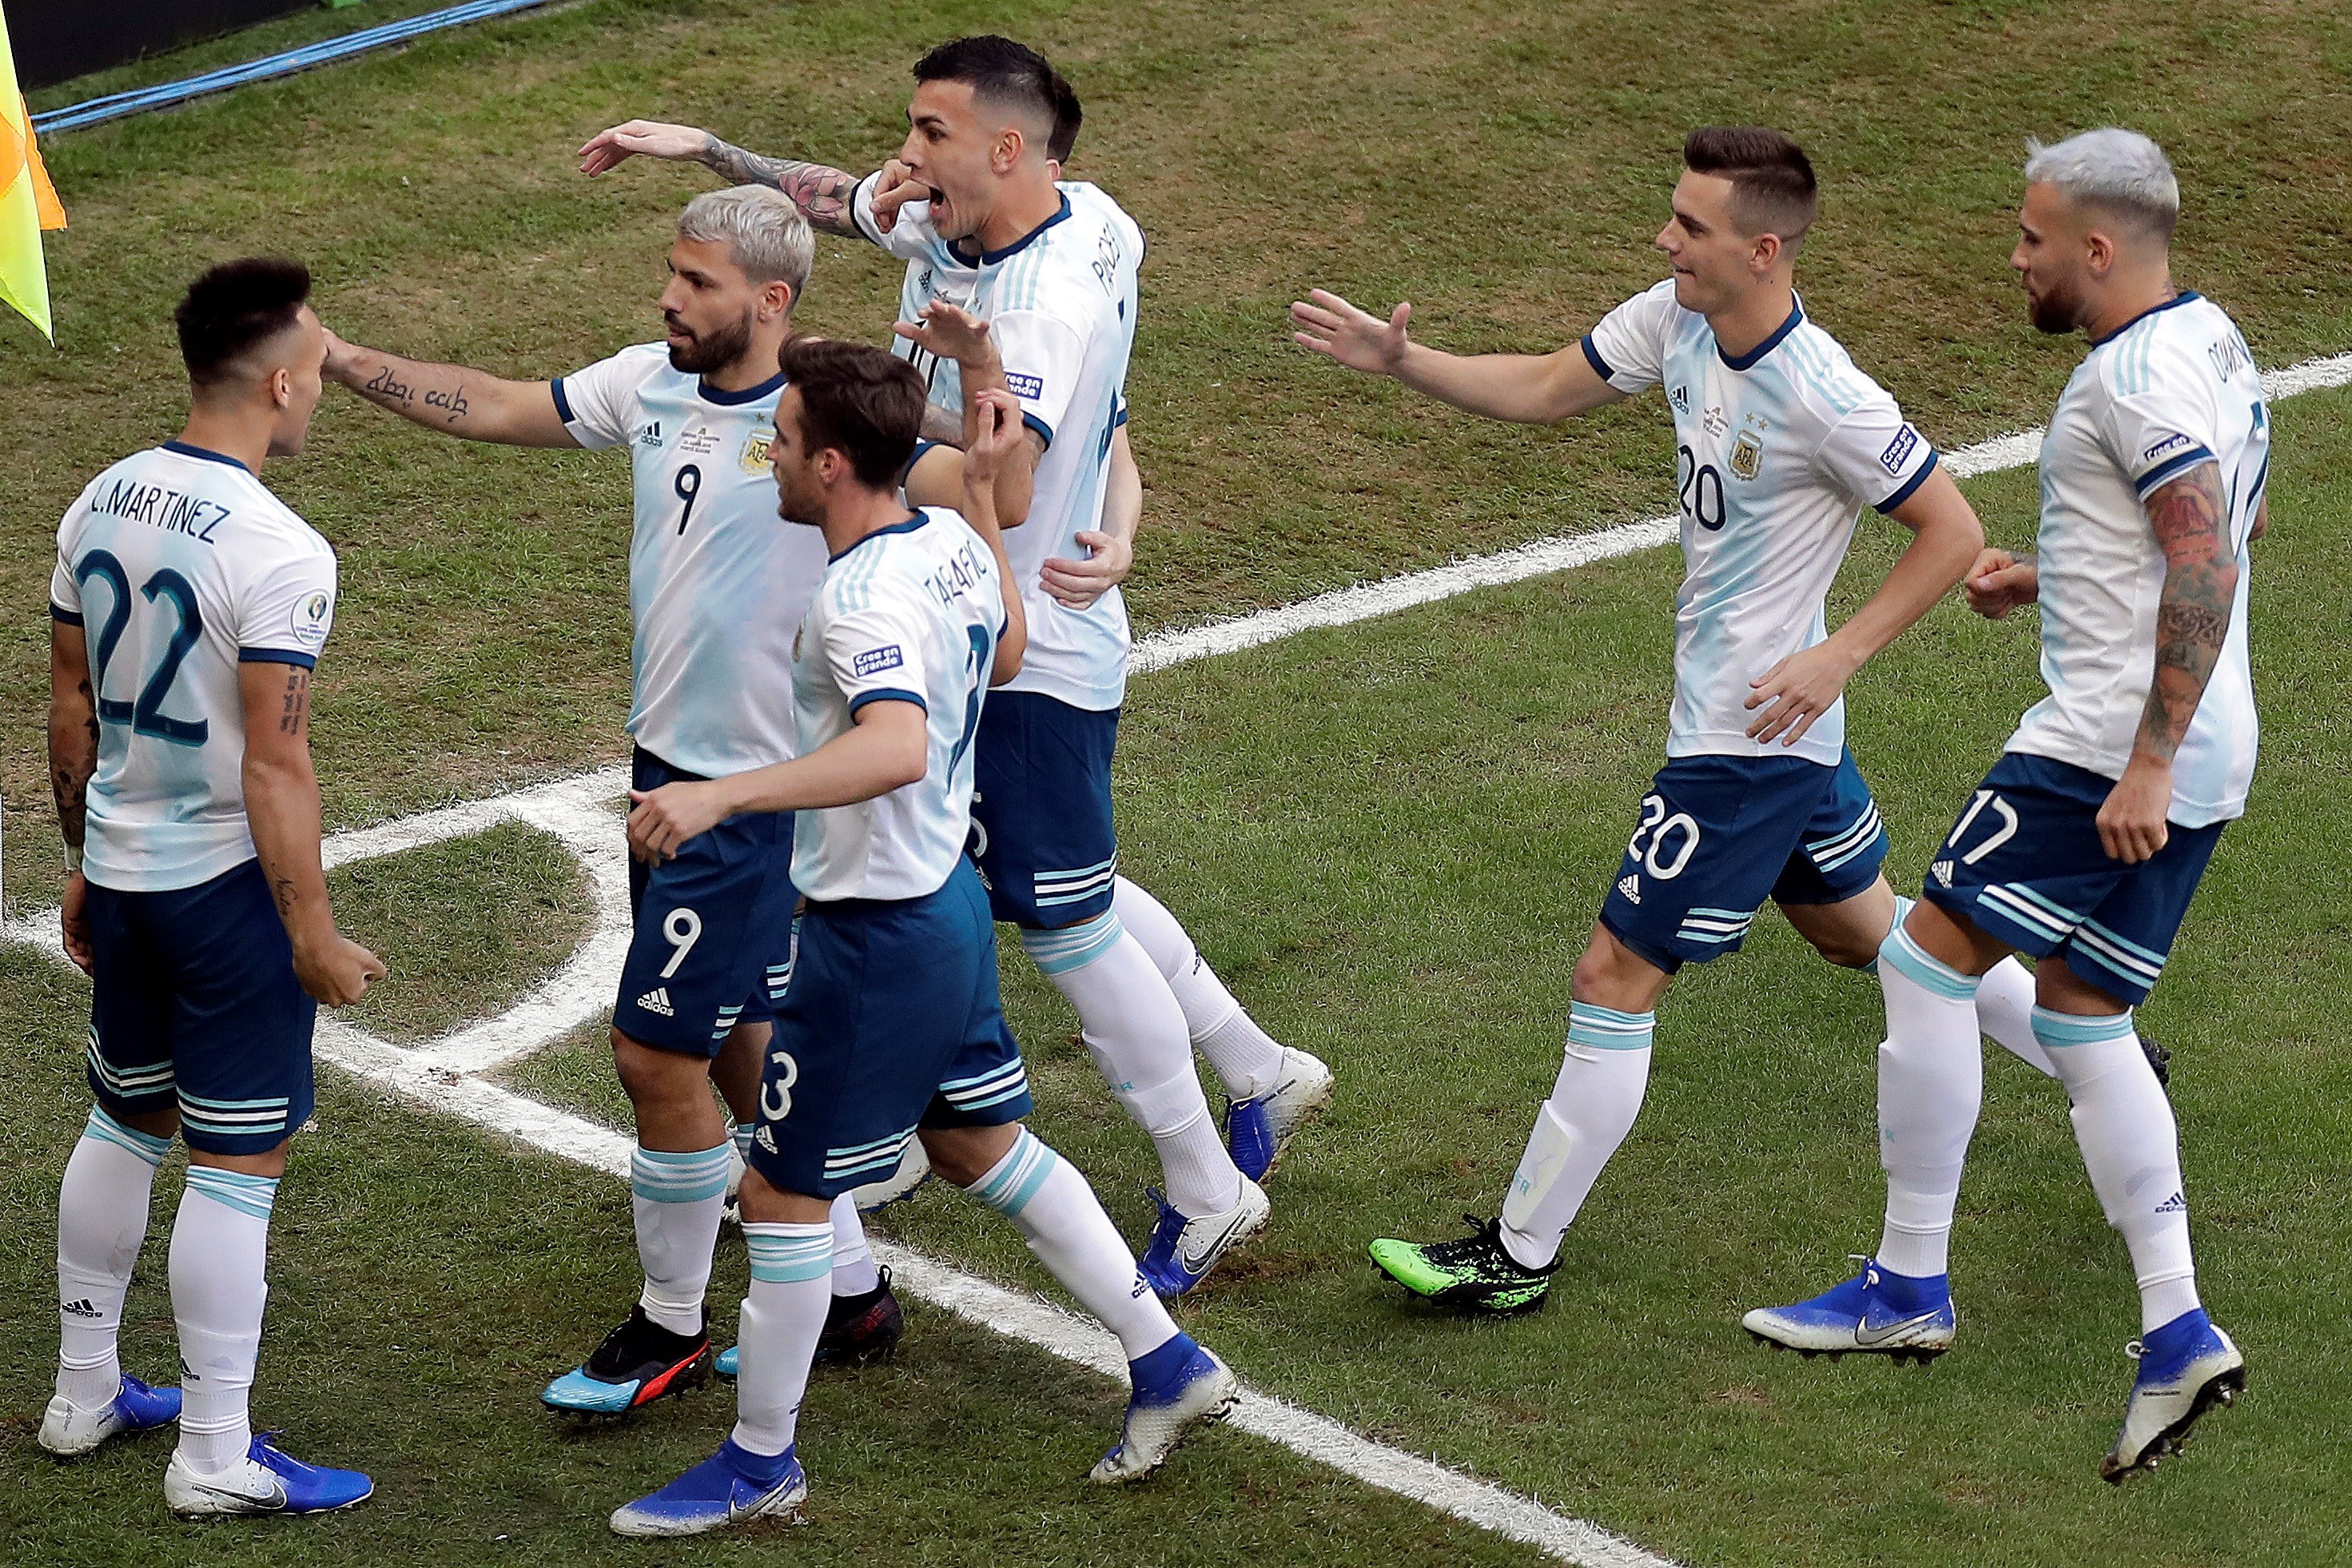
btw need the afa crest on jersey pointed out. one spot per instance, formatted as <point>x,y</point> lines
<point>1746,455</point>
<point>755,451</point>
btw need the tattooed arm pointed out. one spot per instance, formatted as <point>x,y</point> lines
<point>73,758</point>
<point>2191,519</point>
<point>821,192</point>
<point>450,398</point>
<point>282,802</point>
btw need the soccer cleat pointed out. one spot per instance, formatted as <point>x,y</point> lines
<point>638,1363</point>
<point>2185,1368</point>
<point>858,1328</point>
<point>731,1486</point>
<point>1182,1251</point>
<point>913,1169</point>
<point>1201,1389</point>
<point>1475,1273</point>
<point>1876,1312</point>
<point>265,1481</point>
<point>2159,1062</point>
<point>68,1431</point>
<point>1257,1130</point>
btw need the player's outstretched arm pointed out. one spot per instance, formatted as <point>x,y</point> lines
<point>1947,538</point>
<point>282,802</point>
<point>73,758</point>
<point>1529,389</point>
<point>2190,515</point>
<point>450,398</point>
<point>997,437</point>
<point>822,193</point>
<point>886,748</point>
<point>1078,583</point>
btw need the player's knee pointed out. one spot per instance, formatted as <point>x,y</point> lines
<point>962,1155</point>
<point>653,1076</point>
<point>764,1203</point>
<point>269,1163</point>
<point>1611,974</point>
<point>1845,949</point>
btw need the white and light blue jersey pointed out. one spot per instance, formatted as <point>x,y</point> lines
<point>2172,389</point>
<point>908,614</point>
<point>1061,302</point>
<point>717,582</point>
<point>1777,452</point>
<point>179,566</point>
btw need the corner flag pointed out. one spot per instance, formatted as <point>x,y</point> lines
<point>28,204</point>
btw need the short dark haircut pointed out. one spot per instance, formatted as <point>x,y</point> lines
<point>1773,189</point>
<point>861,402</point>
<point>234,307</point>
<point>1010,75</point>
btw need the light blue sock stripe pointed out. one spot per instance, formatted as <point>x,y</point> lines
<point>248,1194</point>
<point>107,1130</point>
<point>1072,947</point>
<point>1903,908</point>
<point>671,1176</point>
<point>1607,1029</point>
<point>2057,1030</point>
<point>1009,1188</point>
<point>740,1136</point>
<point>782,1254</point>
<point>1922,968</point>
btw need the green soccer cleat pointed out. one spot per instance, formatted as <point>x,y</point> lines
<point>1473,1274</point>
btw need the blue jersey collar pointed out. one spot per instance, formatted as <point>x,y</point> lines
<point>1747,360</point>
<point>912,523</point>
<point>767,388</point>
<point>207,453</point>
<point>991,258</point>
<point>2182,298</point>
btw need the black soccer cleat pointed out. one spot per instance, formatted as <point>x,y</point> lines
<point>2160,1061</point>
<point>859,1328</point>
<point>638,1363</point>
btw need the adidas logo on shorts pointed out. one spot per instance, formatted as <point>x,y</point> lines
<point>1942,872</point>
<point>658,1001</point>
<point>1632,887</point>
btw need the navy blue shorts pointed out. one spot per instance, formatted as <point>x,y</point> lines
<point>714,927</point>
<point>195,1006</point>
<point>892,1023</point>
<point>2024,864</point>
<point>1717,836</point>
<point>1041,828</point>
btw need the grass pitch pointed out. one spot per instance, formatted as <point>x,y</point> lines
<point>1389,837</point>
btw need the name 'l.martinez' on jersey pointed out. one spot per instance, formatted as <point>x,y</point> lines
<point>2173,389</point>
<point>909,614</point>
<point>1777,451</point>
<point>1061,304</point>
<point>717,582</point>
<point>179,566</point>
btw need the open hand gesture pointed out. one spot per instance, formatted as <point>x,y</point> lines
<point>1357,339</point>
<point>948,331</point>
<point>609,149</point>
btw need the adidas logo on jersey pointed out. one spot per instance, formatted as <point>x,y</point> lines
<point>1680,398</point>
<point>2177,1203</point>
<point>1631,887</point>
<point>658,1001</point>
<point>1942,872</point>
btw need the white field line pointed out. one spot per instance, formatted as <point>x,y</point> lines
<point>443,1074</point>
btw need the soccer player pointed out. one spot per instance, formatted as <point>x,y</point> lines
<point>188,608</point>
<point>891,1028</point>
<point>716,592</point>
<point>2086,841</point>
<point>973,205</point>
<point>1781,441</point>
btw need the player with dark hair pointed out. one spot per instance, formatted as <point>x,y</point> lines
<point>1781,443</point>
<point>1036,280</point>
<point>891,1029</point>
<point>187,610</point>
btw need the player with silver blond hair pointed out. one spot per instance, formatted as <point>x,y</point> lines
<point>2086,841</point>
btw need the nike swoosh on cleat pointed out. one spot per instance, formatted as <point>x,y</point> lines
<point>1866,1336</point>
<point>1209,1255</point>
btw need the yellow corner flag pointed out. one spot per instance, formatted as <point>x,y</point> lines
<point>24,280</point>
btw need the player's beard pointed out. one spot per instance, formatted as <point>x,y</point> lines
<point>2057,310</point>
<point>713,350</point>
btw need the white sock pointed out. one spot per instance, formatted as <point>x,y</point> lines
<point>853,1273</point>
<point>1247,1060</point>
<point>220,1253</point>
<point>677,1197</point>
<point>782,1316</point>
<point>1931,1086</point>
<point>1063,1224</point>
<point>1135,1034</point>
<point>102,1220</point>
<point>2131,1146</point>
<point>1593,1106</point>
<point>2005,1014</point>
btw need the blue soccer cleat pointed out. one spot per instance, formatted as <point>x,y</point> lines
<point>2185,1368</point>
<point>1258,1131</point>
<point>1876,1312</point>
<point>1182,1251</point>
<point>68,1431</point>
<point>731,1486</point>
<point>266,1480</point>
<point>1177,1388</point>
<point>638,1363</point>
